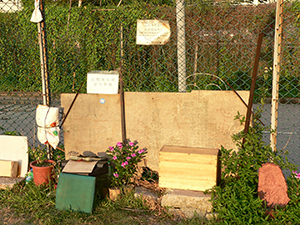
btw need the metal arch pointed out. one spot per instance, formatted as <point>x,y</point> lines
<point>209,74</point>
<point>211,84</point>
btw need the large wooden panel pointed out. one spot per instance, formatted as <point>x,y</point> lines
<point>197,119</point>
<point>93,124</point>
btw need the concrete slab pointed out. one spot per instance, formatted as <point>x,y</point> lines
<point>186,202</point>
<point>182,203</point>
<point>141,191</point>
<point>8,182</point>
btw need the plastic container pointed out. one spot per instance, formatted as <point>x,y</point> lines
<point>29,177</point>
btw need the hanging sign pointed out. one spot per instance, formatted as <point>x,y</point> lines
<point>152,32</point>
<point>102,82</point>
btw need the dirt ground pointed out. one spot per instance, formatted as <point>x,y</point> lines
<point>7,217</point>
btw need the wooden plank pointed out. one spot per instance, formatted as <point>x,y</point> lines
<point>79,167</point>
<point>189,150</point>
<point>9,168</point>
<point>15,168</point>
<point>169,169</point>
<point>191,158</point>
<point>186,184</point>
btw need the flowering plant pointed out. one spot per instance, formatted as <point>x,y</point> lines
<point>296,175</point>
<point>125,158</point>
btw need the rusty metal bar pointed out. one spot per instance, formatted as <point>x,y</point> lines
<point>122,99</point>
<point>244,103</point>
<point>62,123</point>
<point>252,88</point>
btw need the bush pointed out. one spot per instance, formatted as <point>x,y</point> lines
<point>236,200</point>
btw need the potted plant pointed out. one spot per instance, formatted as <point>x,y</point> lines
<point>124,159</point>
<point>41,166</point>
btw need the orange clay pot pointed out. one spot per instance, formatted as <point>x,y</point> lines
<point>42,174</point>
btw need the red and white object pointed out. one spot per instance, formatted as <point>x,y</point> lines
<point>47,119</point>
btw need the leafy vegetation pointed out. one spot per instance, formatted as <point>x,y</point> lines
<point>87,38</point>
<point>236,200</point>
<point>36,205</point>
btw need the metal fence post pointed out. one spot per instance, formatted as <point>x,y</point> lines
<point>181,55</point>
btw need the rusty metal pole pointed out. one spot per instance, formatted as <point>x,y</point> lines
<point>122,99</point>
<point>254,76</point>
<point>254,116</point>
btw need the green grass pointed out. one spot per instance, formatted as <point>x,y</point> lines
<point>30,204</point>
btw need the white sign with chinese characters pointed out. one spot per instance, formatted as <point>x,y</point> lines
<point>152,32</point>
<point>102,82</point>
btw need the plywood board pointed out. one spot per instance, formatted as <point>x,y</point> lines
<point>15,148</point>
<point>79,167</point>
<point>93,124</point>
<point>197,119</point>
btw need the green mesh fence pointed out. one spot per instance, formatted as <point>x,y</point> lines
<point>219,44</point>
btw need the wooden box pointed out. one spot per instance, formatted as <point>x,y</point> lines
<point>188,168</point>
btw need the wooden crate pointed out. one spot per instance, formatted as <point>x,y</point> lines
<point>188,168</point>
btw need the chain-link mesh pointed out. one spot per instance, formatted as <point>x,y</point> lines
<point>219,44</point>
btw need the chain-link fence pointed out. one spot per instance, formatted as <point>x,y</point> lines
<point>82,36</point>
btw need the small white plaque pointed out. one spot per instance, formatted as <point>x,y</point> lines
<point>102,82</point>
<point>152,32</point>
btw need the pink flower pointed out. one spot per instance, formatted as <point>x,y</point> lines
<point>133,155</point>
<point>116,175</point>
<point>131,143</point>
<point>119,144</point>
<point>115,157</point>
<point>58,156</point>
<point>128,158</point>
<point>123,164</point>
<point>141,151</point>
<point>111,149</point>
<point>298,176</point>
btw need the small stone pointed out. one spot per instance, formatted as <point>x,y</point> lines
<point>272,186</point>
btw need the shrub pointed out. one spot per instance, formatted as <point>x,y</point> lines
<point>236,200</point>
